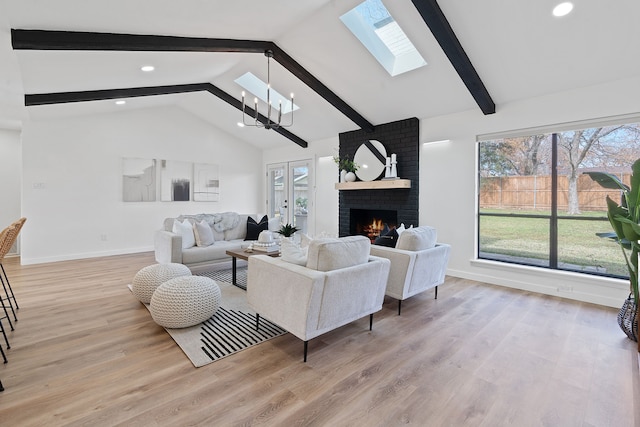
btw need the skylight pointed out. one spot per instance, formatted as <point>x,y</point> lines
<point>376,29</point>
<point>258,88</point>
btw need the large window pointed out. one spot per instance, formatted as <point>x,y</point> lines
<point>536,205</point>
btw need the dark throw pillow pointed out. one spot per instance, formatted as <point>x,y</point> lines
<point>389,239</point>
<point>254,228</point>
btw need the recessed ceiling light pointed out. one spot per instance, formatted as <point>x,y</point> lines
<point>147,68</point>
<point>563,9</point>
<point>121,102</point>
<point>240,124</point>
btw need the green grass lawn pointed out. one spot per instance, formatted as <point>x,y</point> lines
<point>578,244</point>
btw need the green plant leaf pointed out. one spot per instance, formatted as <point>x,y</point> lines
<point>614,210</point>
<point>633,201</point>
<point>607,180</point>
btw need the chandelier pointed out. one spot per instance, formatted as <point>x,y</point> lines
<point>268,123</point>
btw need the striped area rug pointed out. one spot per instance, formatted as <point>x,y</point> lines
<point>230,330</point>
<point>225,276</point>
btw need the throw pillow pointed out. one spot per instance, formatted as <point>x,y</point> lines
<point>292,252</point>
<point>390,239</point>
<point>400,229</point>
<point>254,228</point>
<point>418,239</point>
<point>203,233</point>
<point>184,229</point>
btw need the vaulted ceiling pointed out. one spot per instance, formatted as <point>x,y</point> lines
<point>517,49</point>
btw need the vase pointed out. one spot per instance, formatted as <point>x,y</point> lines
<point>343,174</point>
<point>627,318</point>
<point>350,177</point>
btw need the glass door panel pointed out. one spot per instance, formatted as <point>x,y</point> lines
<point>289,196</point>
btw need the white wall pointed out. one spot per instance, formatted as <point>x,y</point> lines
<point>448,184</point>
<point>77,163</point>
<point>10,172</point>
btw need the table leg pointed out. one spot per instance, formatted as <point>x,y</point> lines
<point>233,270</point>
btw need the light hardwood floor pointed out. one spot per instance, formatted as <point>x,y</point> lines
<point>86,352</point>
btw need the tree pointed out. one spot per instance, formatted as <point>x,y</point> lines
<point>576,145</point>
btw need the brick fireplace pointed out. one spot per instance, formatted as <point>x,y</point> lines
<point>402,138</point>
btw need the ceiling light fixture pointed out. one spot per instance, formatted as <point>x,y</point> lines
<point>269,123</point>
<point>147,68</point>
<point>562,9</point>
<point>121,102</point>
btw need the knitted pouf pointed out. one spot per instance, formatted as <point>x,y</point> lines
<point>147,280</point>
<point>185,301</point>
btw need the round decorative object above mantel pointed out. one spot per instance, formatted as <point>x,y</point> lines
<point>371,159</point>
<point>350,177</point>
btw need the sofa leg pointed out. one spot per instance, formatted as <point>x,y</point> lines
<point>257,321</point>
<point>306,346</point>
<point>436,292</point>
<point>399,306</point>
<point>371,321</point>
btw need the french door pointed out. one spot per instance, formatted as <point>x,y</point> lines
<point>289,195</point>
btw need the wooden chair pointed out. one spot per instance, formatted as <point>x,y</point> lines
<point>7,240</point>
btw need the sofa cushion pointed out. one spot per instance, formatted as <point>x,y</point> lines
<point>185,230</point>
<point>331,254</point>
<point>417,239</point>
<point>203,233</point>
<point>239,231</point>
<point>255,227</point>
<point>215,252</point>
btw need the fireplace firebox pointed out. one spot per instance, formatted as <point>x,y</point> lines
<point>370,222</point>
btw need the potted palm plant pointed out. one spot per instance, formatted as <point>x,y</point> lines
<point>625,221</point>
<point>287,230</point>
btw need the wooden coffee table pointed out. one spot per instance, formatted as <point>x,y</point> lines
<point>241,254</point>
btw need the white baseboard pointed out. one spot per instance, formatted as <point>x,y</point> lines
<point>70,257</point>
<point>580,287</point>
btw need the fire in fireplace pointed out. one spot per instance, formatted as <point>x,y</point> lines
<point>370,222</point>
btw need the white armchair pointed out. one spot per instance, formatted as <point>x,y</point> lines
<point>340,283</point>
<point>418,263</point>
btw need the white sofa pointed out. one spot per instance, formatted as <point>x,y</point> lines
<point>340,283</point>
<point>418,263</point>
<point>169,247</point>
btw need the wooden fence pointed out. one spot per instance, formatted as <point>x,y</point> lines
<point>534,192</point>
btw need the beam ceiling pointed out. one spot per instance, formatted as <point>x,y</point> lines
<point>442,31</point>
<point>79,40</point>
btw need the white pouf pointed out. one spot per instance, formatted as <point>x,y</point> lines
<point>147,280</point>
<point>185,301</point>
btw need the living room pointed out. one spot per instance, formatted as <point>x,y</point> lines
<point>62,167</point>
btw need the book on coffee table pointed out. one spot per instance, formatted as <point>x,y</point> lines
<point>270,247</point>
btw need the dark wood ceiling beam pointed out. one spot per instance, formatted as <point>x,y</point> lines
<point>251,112</point>
<point>104,94</point>
<point>442,31</point>
<point>134,92</point>
<point>82,40</point>
<point>310,80</point>
<point>78,40</point>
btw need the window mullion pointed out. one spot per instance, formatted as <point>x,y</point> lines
<point>553,222</point>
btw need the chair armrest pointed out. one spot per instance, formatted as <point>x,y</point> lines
<point>402,263</point>
<point>273,284</point>
<point>168,247</point>
<point>431,265</point>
